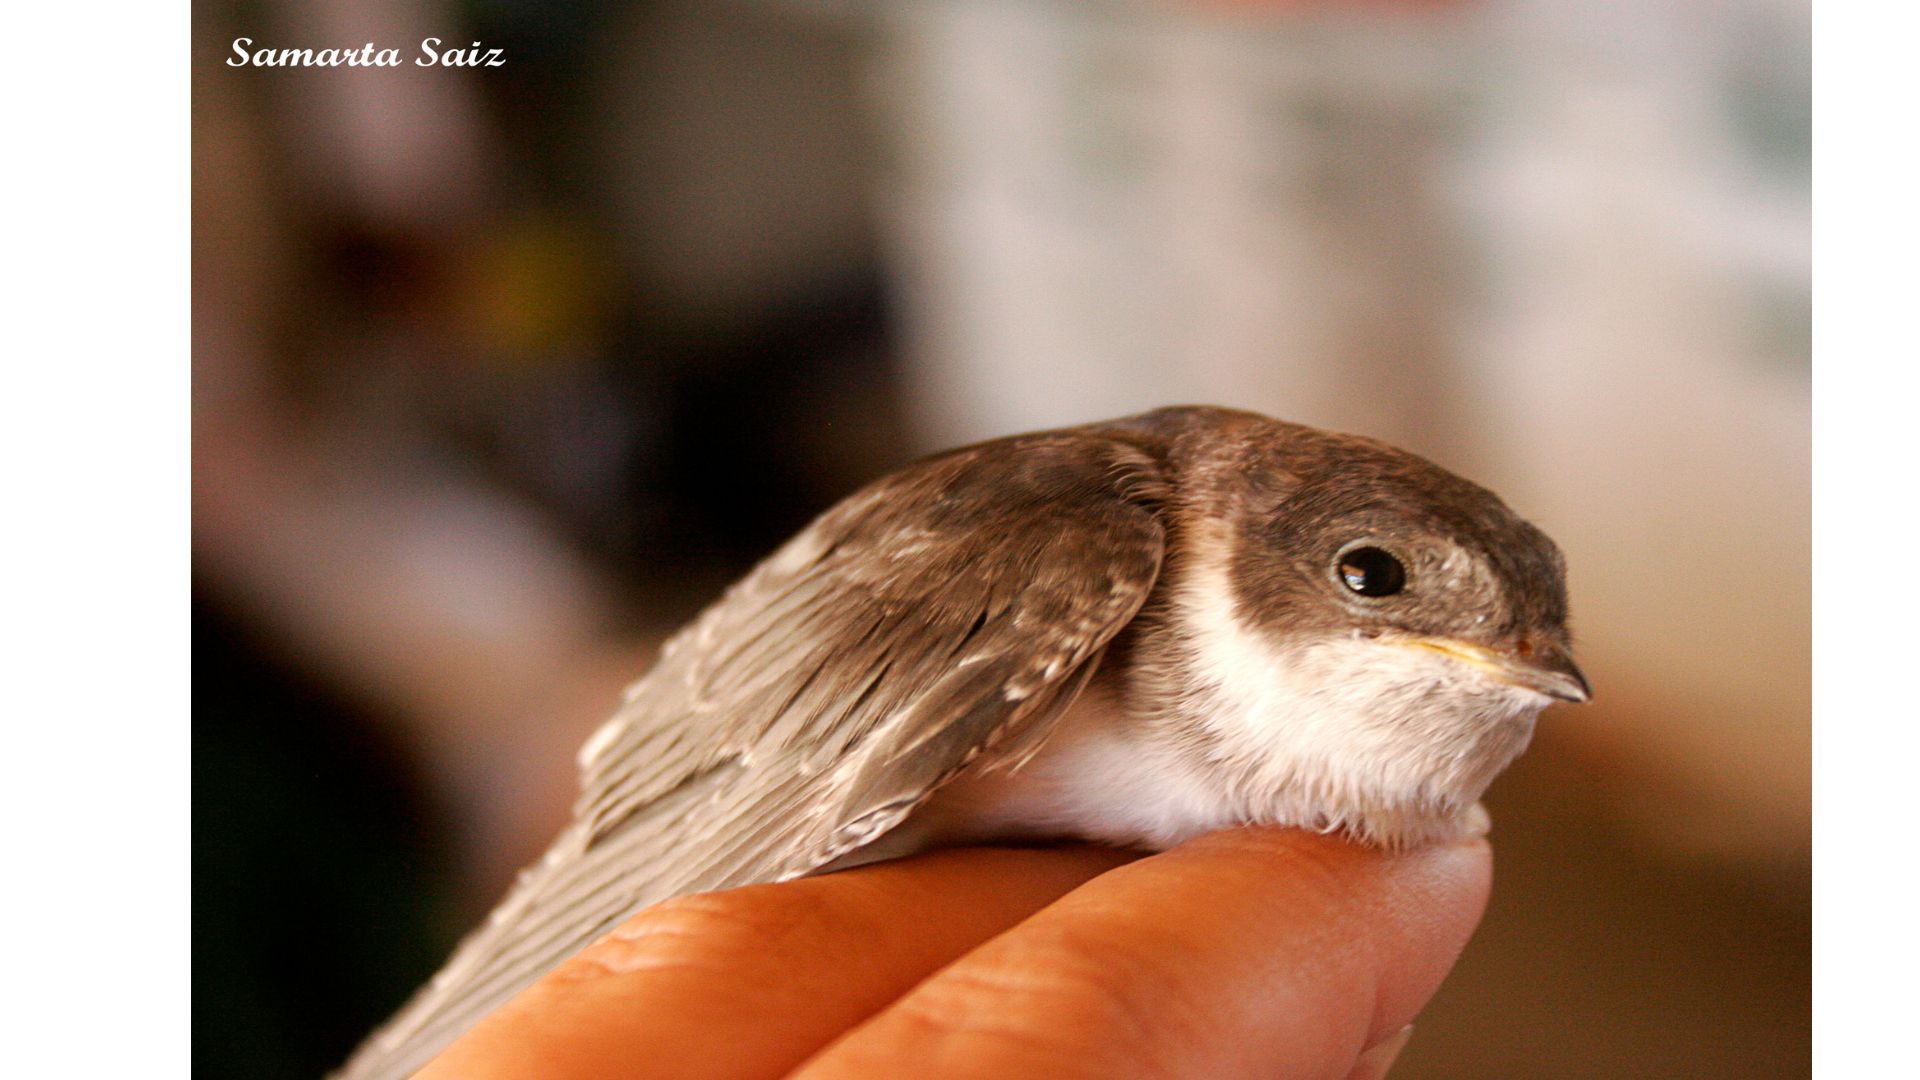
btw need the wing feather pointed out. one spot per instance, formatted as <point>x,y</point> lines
<point>956,607</point>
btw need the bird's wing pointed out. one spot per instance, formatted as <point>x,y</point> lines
<point>954,607</point>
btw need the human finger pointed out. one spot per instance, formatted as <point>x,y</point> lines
<point>747,983</point>
<point>1246,953</point>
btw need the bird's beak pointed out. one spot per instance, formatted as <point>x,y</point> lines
<point>1545,669</point>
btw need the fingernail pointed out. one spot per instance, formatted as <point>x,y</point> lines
<point>1373,1064</point>
<point>1478,821</point>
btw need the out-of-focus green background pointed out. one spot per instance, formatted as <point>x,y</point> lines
<point>500,373</point>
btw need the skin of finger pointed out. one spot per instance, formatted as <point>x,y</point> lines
<point>1247,953</point>
<point>750,982</point>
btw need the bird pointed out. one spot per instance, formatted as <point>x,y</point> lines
<point>1130,632</point>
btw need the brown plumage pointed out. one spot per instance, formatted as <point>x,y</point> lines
<point>923,639</point>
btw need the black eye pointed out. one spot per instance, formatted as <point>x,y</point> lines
<point>1370,571</point>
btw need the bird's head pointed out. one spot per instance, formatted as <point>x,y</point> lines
<point>1359,628</point>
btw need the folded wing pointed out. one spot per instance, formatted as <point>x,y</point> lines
<point>948,611</point>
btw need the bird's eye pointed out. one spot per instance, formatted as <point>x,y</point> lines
<point>1370,571</point>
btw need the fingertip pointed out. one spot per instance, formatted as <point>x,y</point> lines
<point>1406,914</point>
<point>1248,952</point>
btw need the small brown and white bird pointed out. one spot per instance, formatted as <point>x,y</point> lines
<point>1134,632</point>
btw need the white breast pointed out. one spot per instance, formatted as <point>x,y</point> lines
<point>1098,777</point>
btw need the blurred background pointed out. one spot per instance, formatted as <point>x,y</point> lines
<point>501,373</point>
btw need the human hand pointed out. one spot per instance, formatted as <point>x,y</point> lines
<point>1249,952</point>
